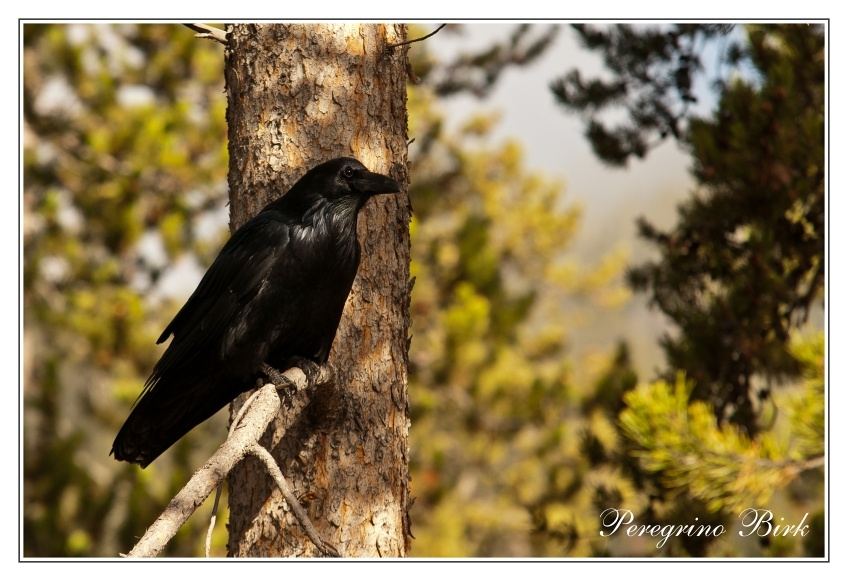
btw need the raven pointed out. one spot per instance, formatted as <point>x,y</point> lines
<point>274,294</point>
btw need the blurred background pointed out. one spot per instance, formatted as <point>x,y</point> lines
<point>618,245</point>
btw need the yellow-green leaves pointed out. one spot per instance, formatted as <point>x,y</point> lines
<point>717,462</point>
<point>121,124</point>
<point>490,390</point>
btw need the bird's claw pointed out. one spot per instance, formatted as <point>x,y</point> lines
<point>284,385</point>
<point>310,369</point>
<point>275,377</point>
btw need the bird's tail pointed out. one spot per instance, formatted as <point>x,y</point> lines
<point>165,413</point>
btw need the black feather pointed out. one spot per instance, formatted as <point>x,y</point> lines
<point>276,291</point>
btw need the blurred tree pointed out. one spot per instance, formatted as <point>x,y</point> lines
<point>477,73</point>
<point>495,412</point>
<point>741,270</point>
<point>743,267</point>
<point>653,74</point>
<point>745,264</point>
<point>124,164</point>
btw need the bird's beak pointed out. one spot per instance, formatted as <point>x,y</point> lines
<point>374,183</point>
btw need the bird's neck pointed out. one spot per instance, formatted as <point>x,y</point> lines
<point>335,224</point>
<point>344,218</point>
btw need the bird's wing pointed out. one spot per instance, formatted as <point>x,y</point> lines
<point>205,323</point>
<point>193,379</point>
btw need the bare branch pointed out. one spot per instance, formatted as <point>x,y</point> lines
<point>209,32</point>
<point>242,411</point>
<point>213,519</point>
<point>204,481</point>
<point>798,466</point>
<point>415,39</point>
<point>263,455</point>
<point>263,408</point>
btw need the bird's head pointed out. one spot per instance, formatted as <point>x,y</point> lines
<point>341,185</point>
<point>344,176</point>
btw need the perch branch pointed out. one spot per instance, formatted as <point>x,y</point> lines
<point>264,405</point>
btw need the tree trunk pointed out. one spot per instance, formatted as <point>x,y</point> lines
<point>299,95</point>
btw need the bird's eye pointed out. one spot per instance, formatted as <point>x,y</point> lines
<point>348,172</point>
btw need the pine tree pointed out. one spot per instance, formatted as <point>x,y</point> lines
<point>738,275</point>
<point>745,264</point>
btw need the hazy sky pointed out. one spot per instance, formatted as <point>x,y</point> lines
<point>612,199</point>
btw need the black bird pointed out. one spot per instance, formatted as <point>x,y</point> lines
<point>275,293</point>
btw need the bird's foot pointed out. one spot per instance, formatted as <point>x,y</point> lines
<point>310,369</point>
<point>276,377</point>
<point>285,387</point>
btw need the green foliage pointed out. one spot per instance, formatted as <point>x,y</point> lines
<point>493,404</point>
<point>653,72</point>
<point>668,458</point>
<point>124,148</point>
<point>807,409</point>
<point>719,465</point>
<point>737,276</point>
<point>745,263</point>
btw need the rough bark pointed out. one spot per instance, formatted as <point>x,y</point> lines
<point>299,95</point>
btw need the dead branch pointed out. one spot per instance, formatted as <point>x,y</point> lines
<point>243,440</point>
<point>209,32</point>
<point>271,465</point>
<point>417,39</point>
<point>212,520</point>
